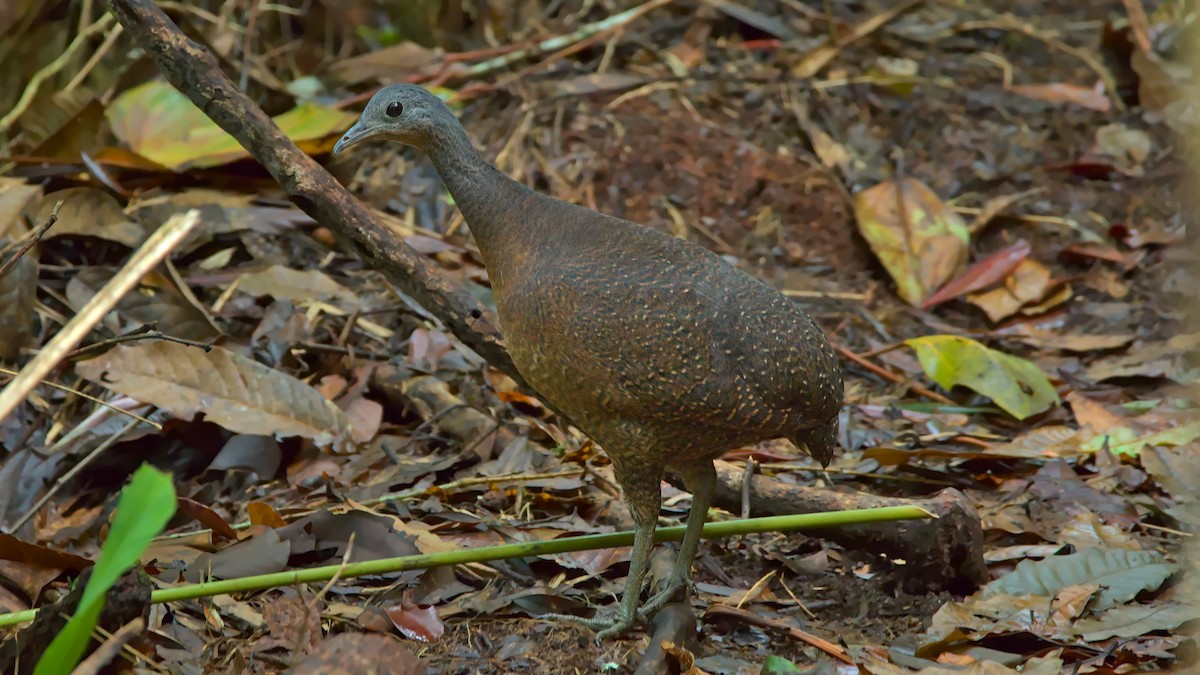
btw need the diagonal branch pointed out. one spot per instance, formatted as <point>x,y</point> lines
<point>193,70</point>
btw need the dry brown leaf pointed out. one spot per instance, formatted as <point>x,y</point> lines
<point>90,212</point>
<point>231,390</point>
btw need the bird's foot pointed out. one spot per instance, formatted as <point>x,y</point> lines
<point>606,626</point>
<point>666,595</point>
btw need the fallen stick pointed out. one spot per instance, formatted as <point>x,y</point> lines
<point>945,554</point>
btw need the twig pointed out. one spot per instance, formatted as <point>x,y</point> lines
<point>859,297</point>
<point>109,41</point>
<point>143,333</point>
<point>33,238</point>
<point>444,488</point>
<point>143,260</point>
<point>1011,23</point>
<point>1139,26</point>
<point>558,42</point>
<point>109,648</point>
<point>51,69</point>
<point>93,399</point>
<point>892,377</point>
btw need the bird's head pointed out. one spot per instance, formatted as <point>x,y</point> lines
<point>400,112</point>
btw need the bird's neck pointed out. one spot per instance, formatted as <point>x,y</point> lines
<point>495,206</point>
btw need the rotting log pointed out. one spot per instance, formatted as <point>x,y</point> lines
<point>195,72</point>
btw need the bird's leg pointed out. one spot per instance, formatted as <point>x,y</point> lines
<point>641,486</point>
<point>701,479</point>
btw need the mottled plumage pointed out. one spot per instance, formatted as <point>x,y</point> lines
<point>658,349</point>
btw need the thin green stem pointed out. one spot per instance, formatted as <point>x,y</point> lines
<point>520,550</point>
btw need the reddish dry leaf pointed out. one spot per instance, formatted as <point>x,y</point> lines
<point>428,346</point>
<point>982,274</point>
<point>1092,98</point>
<point>1029,289</point>
<point>207,517</point>
<point>231,390</point>
<point>416,622</point>
<point>365,417</point>
<point>36,555</point>
<point>1084,250</point>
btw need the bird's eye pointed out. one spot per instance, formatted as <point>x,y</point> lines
<point>394,109</point>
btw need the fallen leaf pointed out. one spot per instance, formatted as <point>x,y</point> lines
<point>283,283</point>
<point>231,390</point>
<point>1016,385</point>
<point>1120,574</point>
<point>984,273</point>
<point>161,124</point>
<point>89,212</point>
<point>919,240</point>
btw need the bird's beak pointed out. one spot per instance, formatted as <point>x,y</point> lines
<point>355,135</point>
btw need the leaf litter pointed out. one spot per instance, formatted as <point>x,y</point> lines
<point>1039,358</point>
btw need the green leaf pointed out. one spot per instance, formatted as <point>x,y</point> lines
<point>145,507</point>
<point>1121,574</point>
<point>1016,385</point>
<point>777,665</point>
<point>161,124</point>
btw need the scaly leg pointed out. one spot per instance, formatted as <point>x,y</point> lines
<point>643,494</point>
<point>702,481</point>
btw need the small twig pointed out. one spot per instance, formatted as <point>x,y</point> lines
<point>833,295</point>
<point>93,399</point>
<point>109,648</point>
<point>892,377</point>
<point>158,246</point>
<point>444,488</point>
<point>109,41</point>
<point>1139,26</point>
<point>559,42</point>
<point>52,69</point>
<point>143,333</point>
<point>33,238</point>
<point>1012,23</point>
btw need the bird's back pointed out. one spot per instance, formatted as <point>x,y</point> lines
<point>615,321</point>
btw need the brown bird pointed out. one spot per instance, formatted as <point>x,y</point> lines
<point>658,349</point>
